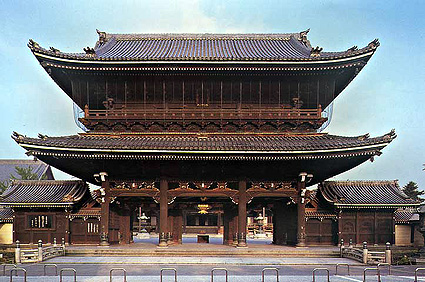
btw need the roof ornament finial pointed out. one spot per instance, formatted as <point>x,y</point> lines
<point>352,49</point>
<point>363,137</point>
<point>89,51</point>
<point>390,135</point>
<point>102,36</point>
<point>303,36</point>
<point>315,52</point>
<point>374,44</point>
<point>33,44</point>
<point>54,50</point>
<point>16,136</point>
<point>42,136</point>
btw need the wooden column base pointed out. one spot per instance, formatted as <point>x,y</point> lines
<point>162,240</point>
<point>242,240</point>
<point>104,239</point>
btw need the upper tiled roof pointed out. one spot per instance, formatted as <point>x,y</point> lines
<point>7,168</point>
<point>205,143</point>
<point>204,47</point>
<point>43,193</point>
<point>364,193</point>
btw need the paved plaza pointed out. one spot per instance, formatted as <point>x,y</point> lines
<point>194,269</point>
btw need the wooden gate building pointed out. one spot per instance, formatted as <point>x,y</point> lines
<point>176,121</point>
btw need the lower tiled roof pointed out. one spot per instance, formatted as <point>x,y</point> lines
<point>406,215</point>
<point>205,142</point>
<point>320,214</point>
<point>6,215</point>
<point>365,193</point>
<point>86,213</point>
<point>43,193</point>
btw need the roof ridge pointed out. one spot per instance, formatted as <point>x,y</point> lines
<point>49,181</point>
<point>362,181</point>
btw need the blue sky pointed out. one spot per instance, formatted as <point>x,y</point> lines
<point>388,93</point>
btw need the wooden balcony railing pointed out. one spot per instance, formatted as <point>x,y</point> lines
<point>203,113</point>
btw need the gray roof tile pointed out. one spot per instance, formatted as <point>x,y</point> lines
<point>43,193</point>
<point>364,193</point>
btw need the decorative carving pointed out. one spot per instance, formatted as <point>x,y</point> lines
<point>315,52</point>
<point>54,50</point>
<point>374,44</point>
<point>33,44</point>
<point>303,36</point>
<point>352,49</point>
<point>89,51</point>
<point>102,36</point>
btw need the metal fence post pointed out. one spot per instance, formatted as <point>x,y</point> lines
<point>55,244</point>
<point>416,272</point>
<point>172,269</point>
<point>7,264</point>
<point>215,269</point>
<point>67,269</point>
<point>40,250</point>
<point>118,269</point>
<point>317,269</point>
<point>269,268</point>
<point>16,273</point>
<point>383,264</point>
<point>365,252</point>
<point>18,252</point>
<point>378,273</point>
<point>341,264</point>
<point>50,264</point>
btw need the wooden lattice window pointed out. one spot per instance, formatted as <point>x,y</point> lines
<point>40,221</point>
<point>92,227</point>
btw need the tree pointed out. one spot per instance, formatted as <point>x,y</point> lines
<point>24,173</point>
<point>411,190</point>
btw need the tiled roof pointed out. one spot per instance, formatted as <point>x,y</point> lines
<point>205,143</point>
<point>204,47</point>
<point>86,213</point>
<point>365,193</point>
<point>43,193</point>
<point>320,214</point>
<point>7,168</point>
<point>6,215</point>
<point>406,215</point>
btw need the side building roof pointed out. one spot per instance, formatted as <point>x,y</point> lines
<point>8,168</point>
<point>44,193</point>
<point>6,215</point>
<point>365,194</point>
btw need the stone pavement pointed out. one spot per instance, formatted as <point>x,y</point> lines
<point>198,269</point>
<point>184,260</point>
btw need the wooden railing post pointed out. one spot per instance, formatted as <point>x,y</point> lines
<point>388,253</point>
<point>40,250</point>
<point>365,255</point>
<point>18,252</point>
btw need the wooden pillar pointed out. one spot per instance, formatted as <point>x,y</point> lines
<point>301,210</point>
<point>125,228</point>
<point>230,224</point>
<point>176,228</point>
<point>163,212</point>
<point>104,214</point>
<point>242,214</point>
